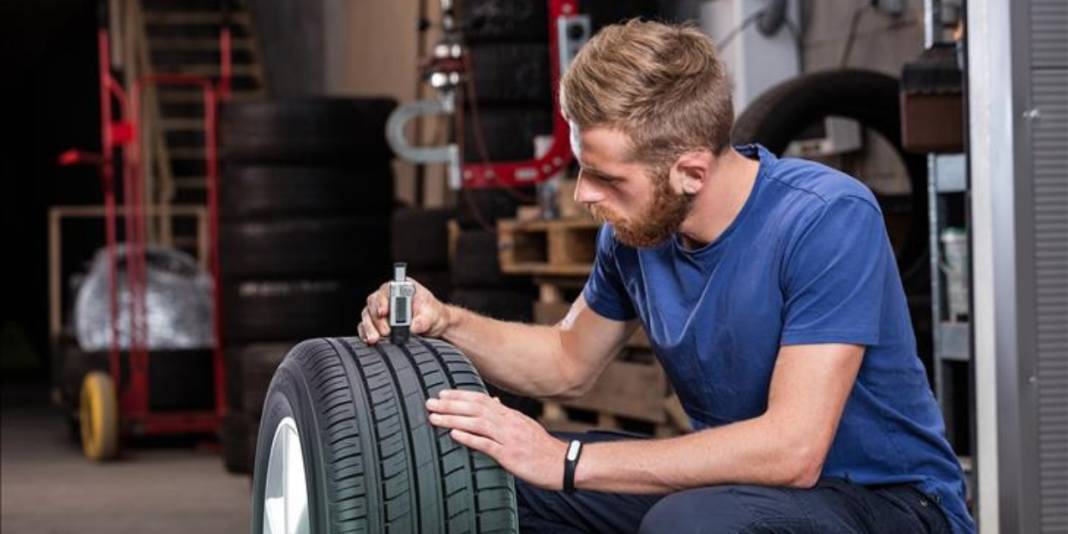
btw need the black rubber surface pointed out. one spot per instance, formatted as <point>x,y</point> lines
<point>306,130</point>
<point>234,435</point>
<point>871,98</point>
<point>420,237</point>
<point>476,264</point>
<point>439,283</point>
<point>504,304</point>
<point>510,73</point>
<point>481,208</point>
<point>258,363</point>
<point>283,310</point>
<point>248,191</point>
<point>304,246</point>
<point>373,462</point>
<point>508,133</point>
<point>503,20</point>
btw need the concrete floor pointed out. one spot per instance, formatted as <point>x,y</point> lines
<point>46,486</point>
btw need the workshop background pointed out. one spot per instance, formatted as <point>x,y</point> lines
<point>251,200</point>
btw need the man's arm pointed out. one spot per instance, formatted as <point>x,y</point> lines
<point>561,360</point>
<point>785,446</point>
<point>537,360</point>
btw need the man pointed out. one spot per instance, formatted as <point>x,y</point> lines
<point>770,293</point>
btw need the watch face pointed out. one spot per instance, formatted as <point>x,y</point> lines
<point>573,449</point>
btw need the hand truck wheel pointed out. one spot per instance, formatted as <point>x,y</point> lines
<point>99,417</point>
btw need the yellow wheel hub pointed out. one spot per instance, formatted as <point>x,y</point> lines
<point>99,417</point>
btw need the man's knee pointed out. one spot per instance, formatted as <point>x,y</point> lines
<point>722,509</point>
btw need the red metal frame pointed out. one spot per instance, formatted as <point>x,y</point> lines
<point>524,173</point>
<point>134,411</point>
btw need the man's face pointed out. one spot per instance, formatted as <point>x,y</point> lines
<point>638,202</point>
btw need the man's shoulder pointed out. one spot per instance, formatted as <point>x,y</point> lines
<point>817,184</point>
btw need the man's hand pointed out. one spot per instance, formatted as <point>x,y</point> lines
<point>429,316</point>
<point>516,441</point>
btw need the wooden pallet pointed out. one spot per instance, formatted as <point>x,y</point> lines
<point>564,247</point>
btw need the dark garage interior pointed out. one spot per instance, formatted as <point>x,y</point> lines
<point>253,242</point>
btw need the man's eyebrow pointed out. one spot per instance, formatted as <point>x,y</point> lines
<point>598,172</point>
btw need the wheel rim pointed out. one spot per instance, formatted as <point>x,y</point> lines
<point>285,500</point>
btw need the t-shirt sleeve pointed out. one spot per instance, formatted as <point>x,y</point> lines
<point>604,291</point>
<point>835,276</point>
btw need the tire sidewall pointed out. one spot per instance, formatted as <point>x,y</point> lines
<point>289,396</point>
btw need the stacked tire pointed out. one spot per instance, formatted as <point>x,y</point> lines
<point>420,239</point>
<point>305,201</point>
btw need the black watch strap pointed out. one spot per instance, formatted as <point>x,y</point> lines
<point>571,458</point>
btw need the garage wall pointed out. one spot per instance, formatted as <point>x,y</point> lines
<point>372,51</point>
<point>883,43</point>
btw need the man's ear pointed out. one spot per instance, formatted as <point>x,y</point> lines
<point>692,170</point>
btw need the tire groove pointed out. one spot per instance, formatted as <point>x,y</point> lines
<point>413,475</point>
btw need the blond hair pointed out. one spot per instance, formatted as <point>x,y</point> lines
<point>662,85</point>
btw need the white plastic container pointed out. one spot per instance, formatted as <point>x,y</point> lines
<point>955,263</point>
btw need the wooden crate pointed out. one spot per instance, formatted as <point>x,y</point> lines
<point>564,247</point>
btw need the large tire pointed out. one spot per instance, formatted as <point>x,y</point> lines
<point>511,73</point>
<point>503,20</point>
<point>503,304</point>
<point>420,238</point>
<point>259,361</point>
<point>258,191</point>
<point>783,112</point>
<point>481,208</point>
<point>234,435</point>
<point>306,130</point>
<point>369,459</point>
<point>477,263</point>
<point>282,310</point>
<point>304,247</point>
<point>508,133</point>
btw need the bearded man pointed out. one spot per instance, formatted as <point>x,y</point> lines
<point>771,296</point>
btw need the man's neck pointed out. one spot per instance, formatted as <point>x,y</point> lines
<point>720,200</point>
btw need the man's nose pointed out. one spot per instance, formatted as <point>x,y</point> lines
<point>586,193</point>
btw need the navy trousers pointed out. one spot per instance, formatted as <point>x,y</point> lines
<point>832,506</point>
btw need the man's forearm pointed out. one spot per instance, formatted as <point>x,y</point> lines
<point>523,358</point>
<point>747,452</point>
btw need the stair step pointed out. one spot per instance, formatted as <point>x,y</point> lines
<point>181,124</point>
<point>189,5</point>
<point>197,31</point>
<point>187,152</point>
<point>196,43</point>
<point>192,18</point>
<point>195,97</point>
<point>184,138</point>
<point>163,60</point>
<point>191,182</point>
<point>208,70</point>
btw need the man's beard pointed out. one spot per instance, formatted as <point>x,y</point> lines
<point>657,225</point>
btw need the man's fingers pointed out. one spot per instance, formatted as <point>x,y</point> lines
<point>371,331</point>
<point>479,443</point>
<point>463,394</point>
<point>474,425</point>
<point>454,407</point>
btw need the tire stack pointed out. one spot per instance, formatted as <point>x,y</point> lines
<point>420,239</point>
<point>305,201</point>
<point>507,103</point>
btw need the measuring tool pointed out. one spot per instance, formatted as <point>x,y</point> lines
<point>401,292</point>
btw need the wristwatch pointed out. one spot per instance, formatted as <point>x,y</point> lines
<point>574,450</point>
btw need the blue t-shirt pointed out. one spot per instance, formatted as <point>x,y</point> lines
<point>807,260</point>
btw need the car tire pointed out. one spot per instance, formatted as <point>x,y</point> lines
<point>347,424</point>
